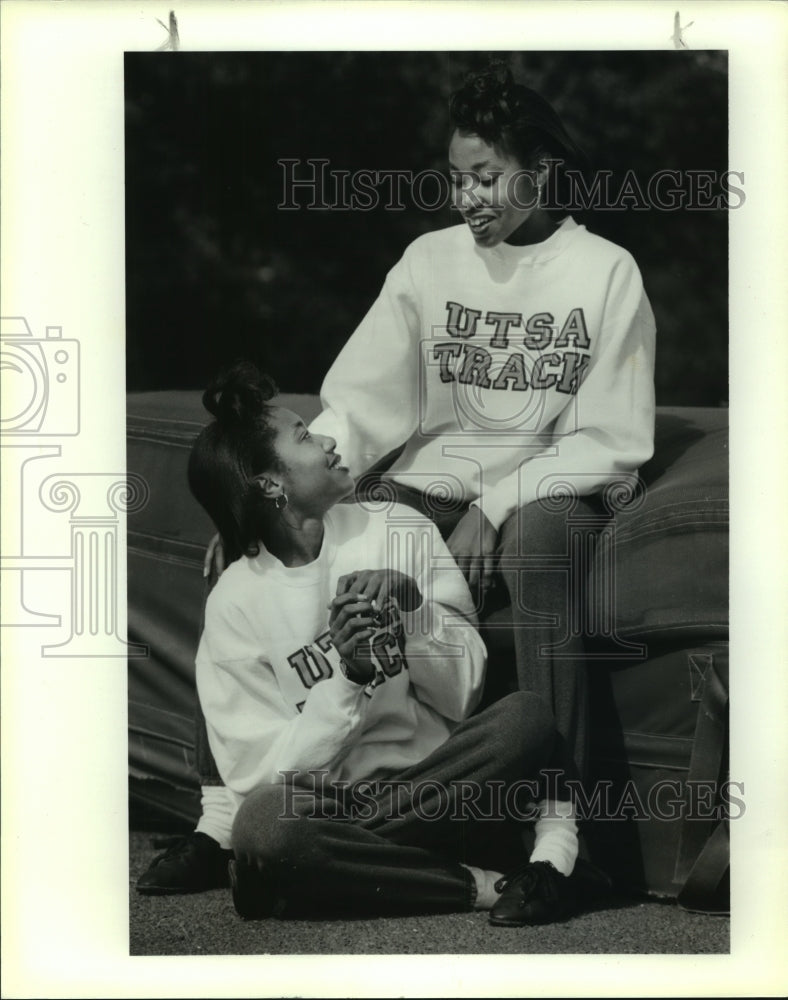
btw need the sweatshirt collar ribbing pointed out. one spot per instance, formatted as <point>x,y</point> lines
<point>538,253</point>
<point>296,576</point>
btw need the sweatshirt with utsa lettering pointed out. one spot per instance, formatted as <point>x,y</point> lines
<point>270,683</point>
<point>508,374</point>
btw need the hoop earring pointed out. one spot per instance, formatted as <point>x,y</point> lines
<point>539,195</point>
<point>283,504</point>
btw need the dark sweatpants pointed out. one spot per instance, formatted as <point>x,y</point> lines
<point>400,852</point>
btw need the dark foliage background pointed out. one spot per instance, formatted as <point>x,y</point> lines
<point>215,270</point>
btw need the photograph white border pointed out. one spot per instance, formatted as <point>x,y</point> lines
<point>64,739</point>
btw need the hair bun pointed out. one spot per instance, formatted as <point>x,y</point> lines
<point>496,80</point>
<point>487,101</point>
<point>238,394</point>
<point>501,111</point>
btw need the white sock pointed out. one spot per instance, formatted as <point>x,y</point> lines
<point>218,812</point>
<point>556,835</point>
<point>486,895</point>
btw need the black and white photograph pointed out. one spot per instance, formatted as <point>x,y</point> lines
<point>409,605</point>
<point>386,236</point>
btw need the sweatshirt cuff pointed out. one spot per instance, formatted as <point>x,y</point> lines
<point>347,690</point>
<point>345,695</point>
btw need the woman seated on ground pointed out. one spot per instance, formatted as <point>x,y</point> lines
<point>337,671</point>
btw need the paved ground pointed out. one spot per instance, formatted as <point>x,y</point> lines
<point>206,924</point>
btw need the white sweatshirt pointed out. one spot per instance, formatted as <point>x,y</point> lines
<point>270,683</point>
<point>504,371</point>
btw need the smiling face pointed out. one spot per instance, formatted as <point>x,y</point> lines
<point>496,195</point>
<point>311,472</point>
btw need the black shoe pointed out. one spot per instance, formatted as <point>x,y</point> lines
<point>537,893</point>
<point>253,894</point>
<point>190,864</point>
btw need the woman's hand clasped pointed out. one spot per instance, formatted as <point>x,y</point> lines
<point>354,614</point>
<point>352,624</point>
<point>379,585</point>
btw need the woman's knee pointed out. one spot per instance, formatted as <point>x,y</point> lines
<point>525,721</point>
<point>255,822</point>
<point>269,822</point>
<point>541,528</point>
<point>277,822</point>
